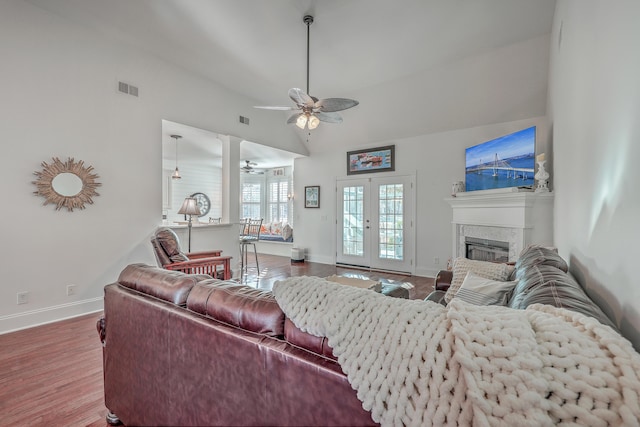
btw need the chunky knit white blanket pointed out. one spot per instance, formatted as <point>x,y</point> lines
<point>419,363</point>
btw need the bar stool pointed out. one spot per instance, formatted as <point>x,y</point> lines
<point>249,235</point>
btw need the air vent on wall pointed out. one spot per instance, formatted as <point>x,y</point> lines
<point>278,172</point>
<point>127,88</point>
<point>244,120</point>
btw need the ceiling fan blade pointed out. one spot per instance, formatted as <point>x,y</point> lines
<point>329,105</point>
<point>328,117</point>
<point>300,98</point>
<point>293,118</point>
<point>276,108</point>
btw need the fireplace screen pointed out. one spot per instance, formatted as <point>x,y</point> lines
<point>486,250</point>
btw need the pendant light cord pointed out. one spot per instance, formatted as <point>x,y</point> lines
<point>307,59</point>
<point>308,19</point>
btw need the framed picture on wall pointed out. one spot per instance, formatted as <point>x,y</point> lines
<point>381,159</point>
<point>312,196</point>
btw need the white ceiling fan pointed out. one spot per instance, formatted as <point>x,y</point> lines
<point>313,110</point>
<point>248,168</point>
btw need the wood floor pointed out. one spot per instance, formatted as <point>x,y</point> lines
<point>51,375</point>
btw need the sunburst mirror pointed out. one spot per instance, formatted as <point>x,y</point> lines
<point>67,184</point>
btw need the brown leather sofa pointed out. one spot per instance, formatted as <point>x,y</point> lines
<point>190,350</point>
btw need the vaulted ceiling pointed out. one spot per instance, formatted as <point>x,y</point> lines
<point>416,66</point>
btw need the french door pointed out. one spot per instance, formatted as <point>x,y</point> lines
<point>375,223</point>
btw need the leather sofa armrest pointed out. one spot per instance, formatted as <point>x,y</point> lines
<point>443,280</point>
<point>437,297</point>
<point>102,330</point>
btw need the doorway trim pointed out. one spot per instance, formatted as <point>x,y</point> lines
<point>410,216</point>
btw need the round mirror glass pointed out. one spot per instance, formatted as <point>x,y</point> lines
<point>67,184</point>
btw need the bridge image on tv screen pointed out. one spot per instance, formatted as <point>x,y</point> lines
<point>508,161</point>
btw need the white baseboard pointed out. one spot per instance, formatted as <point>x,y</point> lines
<point>42,316</point>
<point>427,272</point>
<point>321,259</point>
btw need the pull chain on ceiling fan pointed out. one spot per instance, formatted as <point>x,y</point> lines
<point>313,110</point>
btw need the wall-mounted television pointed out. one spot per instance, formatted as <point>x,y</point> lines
<point>507,161</point>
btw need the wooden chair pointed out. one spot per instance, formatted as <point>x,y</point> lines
<point>249,235</point>
<point>166,247</point>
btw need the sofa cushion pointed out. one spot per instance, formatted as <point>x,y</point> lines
<point>540,255</point>
<point>488,270</point>
<point>239,305</point>
<point>545,284</point>
<point>172,286</point>
<point>480,291</point>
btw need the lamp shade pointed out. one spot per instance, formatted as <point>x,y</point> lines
<point>313,122</point>
<point>189,207</point>
<point>302,121</point>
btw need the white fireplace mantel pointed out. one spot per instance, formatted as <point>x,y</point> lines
<point>519,218</point>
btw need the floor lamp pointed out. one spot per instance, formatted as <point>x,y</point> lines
<point>189,207</point>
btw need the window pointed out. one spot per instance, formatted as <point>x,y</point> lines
<point>251,203</point>
<point>278,200</point>
<point>266,196</point>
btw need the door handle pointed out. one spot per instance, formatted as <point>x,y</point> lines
<point>367,227</point>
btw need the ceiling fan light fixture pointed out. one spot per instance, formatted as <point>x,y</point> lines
<point>313,122</point>
<point>301,122</point>
<point>313,110</point>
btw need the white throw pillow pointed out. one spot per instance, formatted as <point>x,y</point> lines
<point>488,270</point>
<point>480,291</point>
<point>287,231</point>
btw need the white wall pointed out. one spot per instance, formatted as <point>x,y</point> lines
<point>58,85</point>
<point>594,105</point>
<point>497,86</point>
<point>438,161</point>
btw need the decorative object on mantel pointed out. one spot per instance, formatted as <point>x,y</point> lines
<point>457,187</point>
<point>67,184</point>
<point>176,173</point>
<point>542,176</point>
<point>189,207</point>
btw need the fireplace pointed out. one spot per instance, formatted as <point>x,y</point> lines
<point>496,225</point>
<point>486,250</point>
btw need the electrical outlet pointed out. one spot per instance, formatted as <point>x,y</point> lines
<point>22,297</point>
<point>436,261</point>
<point>71,290</point>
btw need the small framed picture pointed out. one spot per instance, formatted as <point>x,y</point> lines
<point>381,159</point>
<point>312,196</point>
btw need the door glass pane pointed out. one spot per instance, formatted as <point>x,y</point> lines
<point>390,221</point>
<point>353,225</point>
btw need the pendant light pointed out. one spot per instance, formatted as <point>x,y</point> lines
<point>176,173</point>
